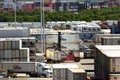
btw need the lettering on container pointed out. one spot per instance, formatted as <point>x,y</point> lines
<point>15,66</point>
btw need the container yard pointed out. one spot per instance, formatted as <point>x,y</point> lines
<point>69,61</point>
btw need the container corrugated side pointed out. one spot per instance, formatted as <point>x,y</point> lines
<point>70,46</point>
<point>1,44</point>
<point>115,65</point>
<point>110,40</point>
<point>77,75</point>
<point>59,72</point>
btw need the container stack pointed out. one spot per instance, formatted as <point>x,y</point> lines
<point>17,49</point>
<point>107,62</point>
<point>10,51</point>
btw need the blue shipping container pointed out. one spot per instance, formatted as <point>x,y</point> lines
<point>37,4</point>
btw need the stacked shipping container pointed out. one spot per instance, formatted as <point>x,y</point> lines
<point>10,51</point>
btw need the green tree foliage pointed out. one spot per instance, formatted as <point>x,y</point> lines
<point>111,13</point>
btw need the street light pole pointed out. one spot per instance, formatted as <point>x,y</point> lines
<point>42,28</point>
<point>14,11</point>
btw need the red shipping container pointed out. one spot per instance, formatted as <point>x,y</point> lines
<point>28,7</point>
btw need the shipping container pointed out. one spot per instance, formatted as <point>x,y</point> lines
<point>110,41</point>
<point>1,45</point>
<point>19,6</point>
<point>74,47</point>
<point>14,32</point>
<point>76,74</point>
<point>107,59</point>
<point>15,44</point>
<point>28,7</point>
<point>60,71</point>
<point>97,37</point>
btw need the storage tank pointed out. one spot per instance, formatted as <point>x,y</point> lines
<point>110,41</point>
<point>76,74</point>
<point>107,60</point>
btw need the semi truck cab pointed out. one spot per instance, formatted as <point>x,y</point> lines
<point>44,70</point>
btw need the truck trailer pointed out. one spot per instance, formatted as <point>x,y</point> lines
<point>33,69</point>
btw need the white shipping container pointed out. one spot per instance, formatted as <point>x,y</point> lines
<point>97,37</point>
<point>60,70</point>
<point>19,6</point>
<point>114,76</point>
<point>110,41</point>
<point>71,38</point>
<point>51,38</point>
<point>76,74</point>
<point>74,47</point>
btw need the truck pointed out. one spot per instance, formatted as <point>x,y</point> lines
<point>33,69</point>
<point>53,55</point>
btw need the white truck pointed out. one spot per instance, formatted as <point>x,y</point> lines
<point>33,69</point>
